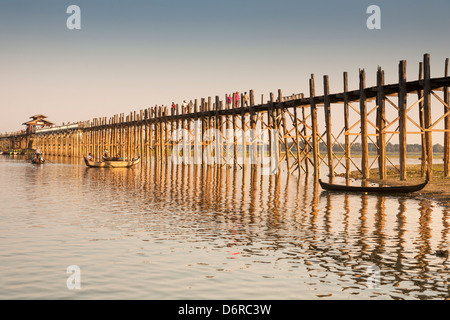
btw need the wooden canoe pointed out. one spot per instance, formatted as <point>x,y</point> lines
<point>112,164</point>
<point>391,189</point>
<point>37,161</point>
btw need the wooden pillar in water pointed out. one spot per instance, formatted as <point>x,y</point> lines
<point>423,159</point>
<point>446,126</point>
<point>233,114</point>
<point>243,139</point>
<point>203,108</point>
<point>315,144</point>
<point>327,109</point>
<point>270,122</point>
<point>166,134</point>
<point>197,131</point>
<point>172,138</point>
<point>160,132</point>
<point>427,116</point>
<point>285,128</point>
<point>381,123</point>
<point>306,145</point>
<point>218,134</point>
<point>364,135</point>
<point>346,128</point>
<point>158,126</point>
<point>149,134</point>
<point>402,110</point>
<point>228,133</point>
<point>297,140</point>
<point>278,121</point>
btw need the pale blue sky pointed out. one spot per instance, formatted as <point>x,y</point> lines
<point>131,55</point>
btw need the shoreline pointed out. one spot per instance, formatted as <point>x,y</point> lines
<point>438,189</point>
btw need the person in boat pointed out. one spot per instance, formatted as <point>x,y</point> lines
<point>38,153</point>
<point>106,156</point>
<point>90,157</point>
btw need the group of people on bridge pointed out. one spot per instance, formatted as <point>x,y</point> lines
<point>188,107</point>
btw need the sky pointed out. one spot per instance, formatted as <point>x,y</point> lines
<point>130,55</point>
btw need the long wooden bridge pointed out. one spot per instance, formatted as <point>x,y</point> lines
<point>291,123</point>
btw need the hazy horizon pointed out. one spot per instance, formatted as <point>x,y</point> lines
<point>132,55</point>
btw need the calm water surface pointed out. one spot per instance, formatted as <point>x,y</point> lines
<point>189,232</point>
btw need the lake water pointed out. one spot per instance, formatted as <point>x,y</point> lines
<point>159,231</point>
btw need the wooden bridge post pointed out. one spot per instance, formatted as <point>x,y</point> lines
<point>427,115</point>
<point>218,134</point>
<point>196,134</point>
<point>297,140</point>
<point>270,122</point>
<point>305,145</point>
<point>203,108</point>
<point>172,132</point>
<point>381,123</point>
<point>423,160</point>
<point>315,145</point>
<point>447,126</point>
<point>148,134</point>
<point>364,135</point>
<point>327,109</point>
<point>253,133</point>
<point>166,134</point>
<point>243,136</point>
<point>228,133</point>
<point>278,123</point>
<point>402,110</point>
<point>209,123</point>
<point>346,128</point>
<point>233,114</point>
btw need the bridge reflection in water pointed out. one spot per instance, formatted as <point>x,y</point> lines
<point>290,222</point>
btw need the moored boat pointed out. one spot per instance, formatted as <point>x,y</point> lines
<point>112,163</point>
<point>390,189</point>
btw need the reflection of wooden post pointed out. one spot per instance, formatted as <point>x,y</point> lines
<point>402,109</point>
<point>327,109</point>
<point>447,127</point>
<point>427,115</point>
<point>381,123</point>
<point>312,93</point>
<point>346,126</point>
<point>363,111</point>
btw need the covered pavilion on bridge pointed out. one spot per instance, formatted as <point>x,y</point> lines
<point>37,121</point>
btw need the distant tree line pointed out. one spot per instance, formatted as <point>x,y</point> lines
<point>356,147</point>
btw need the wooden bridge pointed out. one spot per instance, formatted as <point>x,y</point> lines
<point>291,122</point>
